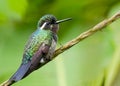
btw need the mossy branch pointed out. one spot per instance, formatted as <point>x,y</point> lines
<point>82,36</point>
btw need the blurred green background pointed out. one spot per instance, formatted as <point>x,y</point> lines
<point>93,62</point>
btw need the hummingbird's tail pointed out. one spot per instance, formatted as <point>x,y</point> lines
<point>20,73</point>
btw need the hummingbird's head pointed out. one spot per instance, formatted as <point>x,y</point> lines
<point>49,22</point>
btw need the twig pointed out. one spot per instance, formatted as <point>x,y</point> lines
<point>82,36</point>
<point>6,83</point>
<point>87,33</point>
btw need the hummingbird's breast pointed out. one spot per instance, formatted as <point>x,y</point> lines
<point>52,49</point>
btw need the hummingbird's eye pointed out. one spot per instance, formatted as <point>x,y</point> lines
<point>48,23</point>
<point>53,21</point>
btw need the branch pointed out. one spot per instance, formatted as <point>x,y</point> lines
<point>87,33</point>
<point>82,36</point>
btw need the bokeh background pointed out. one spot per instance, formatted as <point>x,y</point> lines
<point>93,62</point>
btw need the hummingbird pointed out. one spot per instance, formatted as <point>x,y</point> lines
<point>39,48</point>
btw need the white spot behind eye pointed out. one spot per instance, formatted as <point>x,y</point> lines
<point>43,26</point>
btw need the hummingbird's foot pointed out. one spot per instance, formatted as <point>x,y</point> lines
<point>42,60</point>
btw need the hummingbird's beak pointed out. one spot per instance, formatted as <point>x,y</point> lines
<point>63,20</point>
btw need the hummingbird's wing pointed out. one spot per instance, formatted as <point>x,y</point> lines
<point>37,47</point>
<point>43,54</point>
